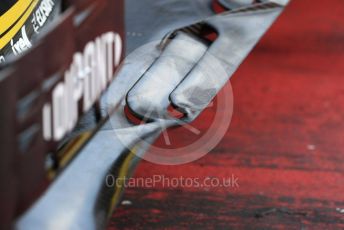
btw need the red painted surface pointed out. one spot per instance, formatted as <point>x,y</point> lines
<point>285,143</point>
<point>217,7</point>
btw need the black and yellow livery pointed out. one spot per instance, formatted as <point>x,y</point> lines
<point>21,22</point>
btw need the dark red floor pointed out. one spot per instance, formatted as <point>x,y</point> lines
<point>285,143</point>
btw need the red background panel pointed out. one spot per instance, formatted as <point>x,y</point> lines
<point>285,143</point>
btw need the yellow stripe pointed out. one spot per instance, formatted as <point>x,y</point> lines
<point>12,15</point>
<point>8,36</point>
<point>123,172</point>
<point>69,152</point>
<point>75,147</point>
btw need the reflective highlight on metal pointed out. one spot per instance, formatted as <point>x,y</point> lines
<point>79,198</point>
<point>238,32</point>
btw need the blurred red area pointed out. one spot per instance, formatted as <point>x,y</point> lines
<point>285,143</point>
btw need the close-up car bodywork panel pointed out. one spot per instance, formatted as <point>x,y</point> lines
<point>59,122</point>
